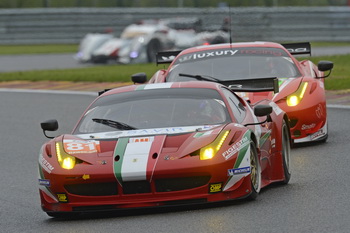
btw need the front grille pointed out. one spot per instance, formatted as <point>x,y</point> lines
<point>93,189</point>
<point>136,187</point>
<point>182,183</point>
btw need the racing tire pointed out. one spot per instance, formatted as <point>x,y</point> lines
<point>286,147</point>
<point>255,172</point>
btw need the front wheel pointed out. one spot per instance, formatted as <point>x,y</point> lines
<point>286,152</point>
<point>255,172</point>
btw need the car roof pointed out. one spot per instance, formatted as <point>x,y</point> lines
<point>234,45</point>
<point>153,86</point>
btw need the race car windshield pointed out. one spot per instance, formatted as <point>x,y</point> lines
<point>157,108</point>
<point>235,63</point>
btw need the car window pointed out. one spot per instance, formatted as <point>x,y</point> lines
<point>155,109</point>
<point>236,106</point>
<point>238,63</point>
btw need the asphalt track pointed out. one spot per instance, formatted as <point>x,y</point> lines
<point>316,200</point>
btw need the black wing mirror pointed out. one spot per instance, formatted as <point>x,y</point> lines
<point>139,78</point>
<point>260,111</point>
<point>325,66</point>
<point>49,125</point>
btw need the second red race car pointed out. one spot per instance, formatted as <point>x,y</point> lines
<point>164,144</point>
<point>301,83</point>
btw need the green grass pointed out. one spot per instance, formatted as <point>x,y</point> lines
<point>38,49</point>
<point>108,73</point>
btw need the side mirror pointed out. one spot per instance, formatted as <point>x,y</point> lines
<point>139,78</point>
<point>262,110</point>
<point>325,66</point>
<point>49,125</point>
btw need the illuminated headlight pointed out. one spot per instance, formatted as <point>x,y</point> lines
<point>295,98</point>
<point>65,160</point>
<point>209,151</point>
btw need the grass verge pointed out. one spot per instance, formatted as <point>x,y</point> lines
<point>108,73</point>
<point>37,49</point>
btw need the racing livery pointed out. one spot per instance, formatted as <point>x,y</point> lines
<point>164,144</point>
<point>301,83</point>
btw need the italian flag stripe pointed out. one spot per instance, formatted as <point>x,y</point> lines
<point>243,150</point>
<point>119,151</point>
<point>264,138</point>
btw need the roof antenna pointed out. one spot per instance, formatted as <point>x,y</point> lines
<point>230,24</point>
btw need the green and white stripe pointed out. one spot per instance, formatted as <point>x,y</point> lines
<point>133,159</point>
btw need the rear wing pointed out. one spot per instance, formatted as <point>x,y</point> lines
<point>166,57</point>
<point>298,48</point>
<point>253,85</point>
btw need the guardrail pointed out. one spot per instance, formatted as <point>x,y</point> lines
<point>69,25</point>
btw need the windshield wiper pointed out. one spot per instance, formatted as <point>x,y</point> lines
<point>114,124</point>
<point>201,77</point>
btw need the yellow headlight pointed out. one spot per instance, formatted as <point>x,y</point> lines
<point>295,98</point>
<point>65,160</point>
<point>209,151</point>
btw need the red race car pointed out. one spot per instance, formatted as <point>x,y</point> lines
<point>165,144</point>
<point>301,83</point>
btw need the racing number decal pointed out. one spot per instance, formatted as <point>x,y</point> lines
<point>79,146</point>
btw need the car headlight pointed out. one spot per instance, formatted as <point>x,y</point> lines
<point>209,151</point>
<point>65,160</point>
<point>295,98</point>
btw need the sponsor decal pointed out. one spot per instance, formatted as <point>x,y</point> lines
<point>144,132</point>
<point>273,143</point>
<point>45,164</point>
<point>319,111</point>
<point>215,187</point>
<point>167,157</point>
<point>297,50</point>
<point>143,139</point>
<point>62,197</point>
<point>44,182</point>
<point>318,134</point>
<point>236,171</point>
<point>208,54</point>
<point>236,147</point>
<point>306,127</point>
<point>81,146</point>
<point>261,52</point>
<point>85,177</point>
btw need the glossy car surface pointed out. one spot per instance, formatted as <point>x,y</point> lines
<point>164,144</point>
<point>301,83</point>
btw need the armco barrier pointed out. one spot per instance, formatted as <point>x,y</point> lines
<point>69,25</point>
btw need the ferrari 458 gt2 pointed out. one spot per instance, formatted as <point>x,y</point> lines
<point>301,83</point>
<point>164,144</point>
